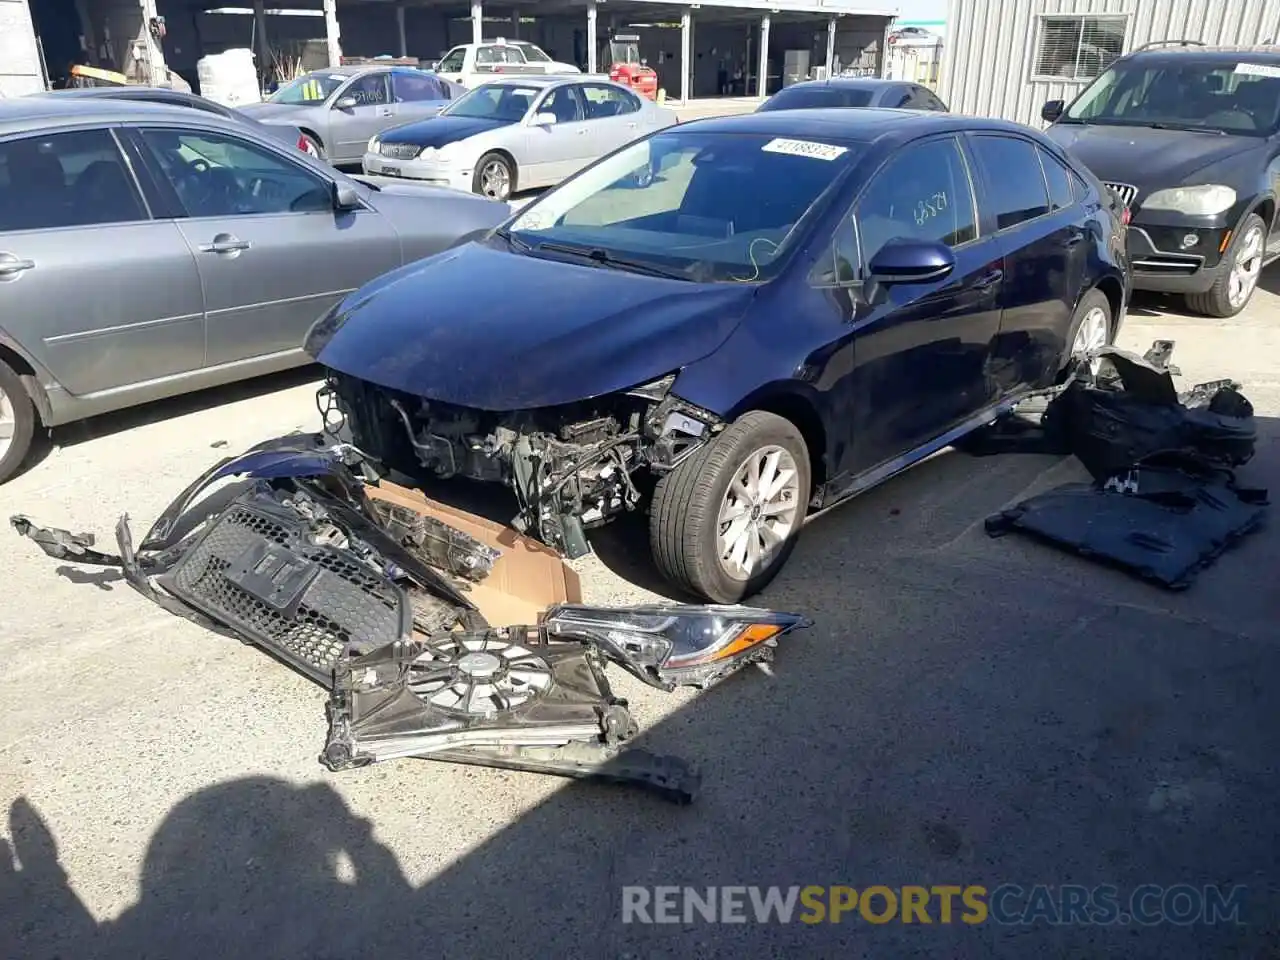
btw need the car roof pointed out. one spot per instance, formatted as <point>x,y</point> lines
<point>863,125</point>
<point>22,113</point>
<point>851,83</point>
<point>538,79</point>
<point>1269,54</point>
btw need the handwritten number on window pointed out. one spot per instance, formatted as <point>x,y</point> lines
<point>930,207</point>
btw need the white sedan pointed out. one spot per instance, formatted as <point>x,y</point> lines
<point>518,133</point>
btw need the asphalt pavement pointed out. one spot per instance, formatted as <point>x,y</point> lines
<point>965,711</point>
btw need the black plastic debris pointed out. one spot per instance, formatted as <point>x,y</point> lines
<point>1160,523</point>
<point>1164,502</point>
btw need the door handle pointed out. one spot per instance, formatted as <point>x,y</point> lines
<point>989,280</point>
<point>582,133</point>
<point>386,113</point>
<point>225,243</point>
<point>12,266</point>
<point>1074,237</point>
<point>632,124</point>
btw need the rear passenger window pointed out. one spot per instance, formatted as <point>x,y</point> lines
<point>1017,191</point>
<point>1059,181</point>
<point>66,180</point>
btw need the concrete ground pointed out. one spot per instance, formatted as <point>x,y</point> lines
<point>965,711</point>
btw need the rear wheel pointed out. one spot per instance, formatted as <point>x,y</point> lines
<point>1238,278</point>
<point>724,522</point>
<point>1090,326</point>
<point>495,177</point>
<point>17,422</point>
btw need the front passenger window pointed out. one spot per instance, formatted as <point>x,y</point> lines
<point>215,175</point>
<point>922,193</point>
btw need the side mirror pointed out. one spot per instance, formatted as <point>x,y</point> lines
<point>544,119</point>
<point>435,65</point>
<point>345,197</point>
<point>1052,110</point>
<point>911,261</point>
<point>346,103</point>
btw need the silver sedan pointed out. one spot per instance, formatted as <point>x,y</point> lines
<point>147,251</point>
<point>515,134</point>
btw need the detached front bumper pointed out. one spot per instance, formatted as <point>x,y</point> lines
<point>457,176</point>
<point>1167,256</point>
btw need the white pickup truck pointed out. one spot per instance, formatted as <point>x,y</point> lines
<point>474,63</point>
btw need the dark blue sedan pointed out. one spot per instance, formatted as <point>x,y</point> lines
<point>734,322</point>
<point>854,92</point>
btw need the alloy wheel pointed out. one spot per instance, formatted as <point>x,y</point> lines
<point>495,180</point>
<point>8,423</point>
<point>1091,334</point>
<point>1246,269</point>
<point>758,512</point>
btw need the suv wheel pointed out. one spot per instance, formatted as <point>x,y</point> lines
<point>17,422</point>
<point>723,523</point>
<point>1242,266</point>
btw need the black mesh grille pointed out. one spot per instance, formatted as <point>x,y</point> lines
<point>399,151</point>
<point>345,605</point>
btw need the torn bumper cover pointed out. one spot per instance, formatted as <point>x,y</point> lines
<point>572,468</point>
<point>510,698</point>
<point>1164,502</point>
<point>295,561</point>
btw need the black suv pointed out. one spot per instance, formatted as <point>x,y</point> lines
<point>1187,136</point>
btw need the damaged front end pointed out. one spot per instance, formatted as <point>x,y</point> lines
<point>571,467</point>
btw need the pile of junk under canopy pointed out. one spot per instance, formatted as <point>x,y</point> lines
<point>379,595</point>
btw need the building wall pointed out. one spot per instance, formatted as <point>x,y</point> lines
<point>988,59</point>
<point>20,71</point>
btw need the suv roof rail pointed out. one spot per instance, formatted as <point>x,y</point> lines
<point>1169,43</point>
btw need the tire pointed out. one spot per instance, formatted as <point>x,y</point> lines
<point>1094,307</point>
<point>317,150</point>
<point>494,162</point>
<point>1219,300</point>
<point>18,419</point>
<point>684,529</point>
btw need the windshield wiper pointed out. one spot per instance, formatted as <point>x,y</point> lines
<point>606,259</point>
<point>512,239</point>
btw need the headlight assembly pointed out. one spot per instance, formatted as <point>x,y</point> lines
<point>1201,200</point>
<point>670,645</point>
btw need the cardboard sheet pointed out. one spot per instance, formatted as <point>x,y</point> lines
<point>526,579</point>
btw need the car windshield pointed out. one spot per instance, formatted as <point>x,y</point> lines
<point>1239,98</point>
<point>494,101</point>
<point>704,206</point>
<point>308,89</point>
<point>533,54</point>
<point>802,98</point>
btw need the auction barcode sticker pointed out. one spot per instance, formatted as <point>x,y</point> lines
<point>1258,69</point>
<point>804,148</point>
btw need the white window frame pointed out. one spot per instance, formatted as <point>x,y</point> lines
<point>1125,18</point>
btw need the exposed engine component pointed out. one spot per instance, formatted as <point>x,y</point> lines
<point>572,468</point>
<point>507,698</point>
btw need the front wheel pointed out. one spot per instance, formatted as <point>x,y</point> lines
<point>724,522</point>
<point>309,144</point>
<point>494,178</point>
<point>1239,273</point>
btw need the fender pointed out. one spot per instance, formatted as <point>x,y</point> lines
<point>34,377</point>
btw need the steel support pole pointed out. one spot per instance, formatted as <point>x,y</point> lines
<point>762,76</point>
<point>593,44</point>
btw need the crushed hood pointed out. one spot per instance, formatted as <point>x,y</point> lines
<point>1143,155</point>
<point>437,131</point>
<point>489,329</point>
